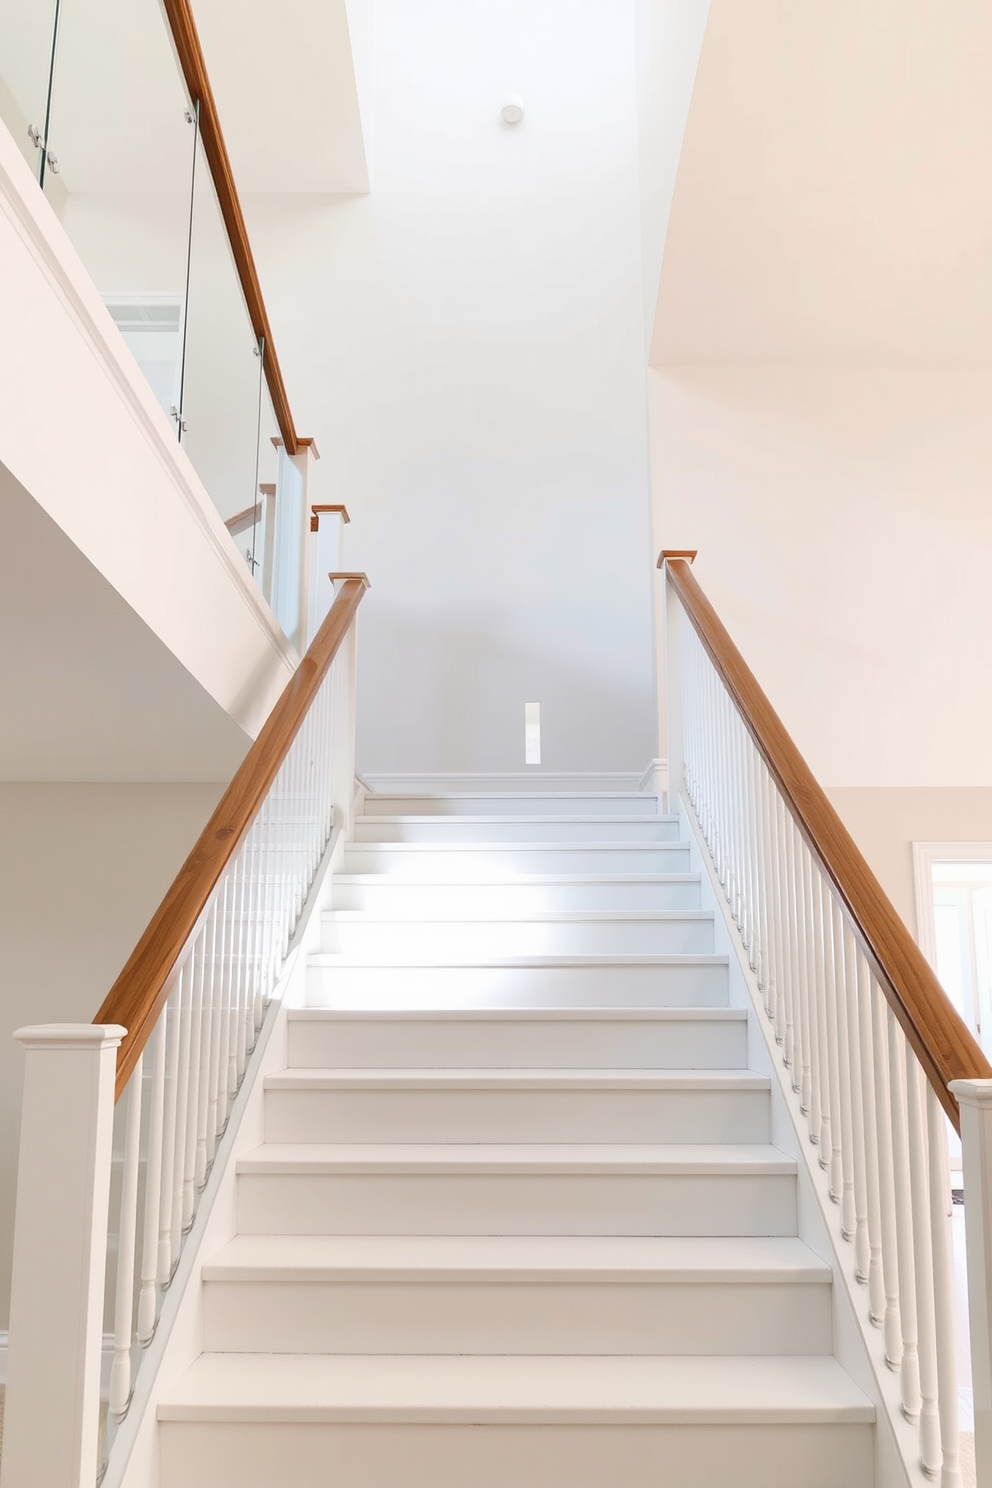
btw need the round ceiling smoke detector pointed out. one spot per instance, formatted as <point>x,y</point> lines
<point>513,109</point>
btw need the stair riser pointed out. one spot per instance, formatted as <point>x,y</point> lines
<point>497,862</point>
<point>496,1044</point>
<point>322,1317</point>
<point>703,1455</point>
<point>450,829</point>
<point>465,899</point>
<point>517,986</point>
<point>525,804</point>
<point>516,1116</point>
<point>513,1204</point>
<point>479,941</point>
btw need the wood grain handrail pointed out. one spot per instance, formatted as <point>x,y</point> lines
<point>938,1035</point>
<point>194,69</point>
<point>139,993</point>
<point>243,518</point>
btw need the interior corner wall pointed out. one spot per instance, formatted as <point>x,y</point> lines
<point>886,822</point>
<point>467,345</point>
<point>82,869</point>
<point>844,527</point>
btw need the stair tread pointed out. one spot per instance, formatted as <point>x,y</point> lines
<point>513,1078</point>
<point>538,917</point>
<point>565,845</point>
<point>518,1258</point>
<point>527,1388</point>
<point>520,1015</point>
<point>516,1157</point>
<point>616,960</point>
<point>519,818</point>
<point>396,880</point>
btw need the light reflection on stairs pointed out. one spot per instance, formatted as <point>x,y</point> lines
<point>517,1217</point>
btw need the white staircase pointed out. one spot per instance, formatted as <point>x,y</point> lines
<point>517,1220</point>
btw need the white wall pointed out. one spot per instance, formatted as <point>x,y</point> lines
<point>467,344</point>
<point>82,869</point>
<point>669,35</point>
<point>844,527</point>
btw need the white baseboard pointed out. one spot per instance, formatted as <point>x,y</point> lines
<point>484,782</point>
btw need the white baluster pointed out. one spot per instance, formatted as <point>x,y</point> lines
<point>203,1093</point>
<point>197,956</point>
<point>862,1242</point>
<point>120,1369</point>
<point>909,1370</point>
<point>886,1180</point>
<point>846,1154</point>
<point>802,1080</point>
<point>944,1305</point>
<point>148,1294</point>
<point>923,1257</point>
<point>822,1034</point>
<point>864,1041</point>
<point>812,990</point>
<point>182,1108</point>
<point>166,1258</point>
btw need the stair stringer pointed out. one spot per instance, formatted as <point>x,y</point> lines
<point>858,1344</point>
<point>178,1340</point>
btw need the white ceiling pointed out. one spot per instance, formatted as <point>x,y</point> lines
<point>834,196</point>
<point>89,692</point>
<point>283,77</point>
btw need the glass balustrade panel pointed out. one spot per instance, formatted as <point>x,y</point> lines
<point>27,40</point>
<point>223,379</point>
<point>121,142</point>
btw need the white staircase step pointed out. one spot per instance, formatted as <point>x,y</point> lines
<point>567,1038</point>
<point>534,893</point>
<point>499,860</point>
<point>546,1422</point>
<point>509,803</point>
<point>359,934</point>
<point>522,981</point>
<point>484,829</point>
<point>416,1105</point>
<point>515,1295</point>
<point>516,1189</point>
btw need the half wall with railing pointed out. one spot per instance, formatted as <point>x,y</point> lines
<point>111,104</point>
<point>871,1046</point>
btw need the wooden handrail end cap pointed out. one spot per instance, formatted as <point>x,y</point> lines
<point>362,578</point>
<point>688,554</point>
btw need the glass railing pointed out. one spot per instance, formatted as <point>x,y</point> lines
<point>104,105</point>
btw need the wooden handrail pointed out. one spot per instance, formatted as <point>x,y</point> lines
<point>243,519</point>
<point>936,1032</point>
<point>187,42</point>
<point>137,997</point>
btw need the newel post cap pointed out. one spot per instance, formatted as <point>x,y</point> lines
<point>972,1093</point>
<point>70,1035</point>
<point>667,554</point>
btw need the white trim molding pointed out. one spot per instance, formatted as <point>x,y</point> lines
<point>925,854</point>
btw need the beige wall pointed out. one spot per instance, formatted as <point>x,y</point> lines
<point>82,868</point>
<point>886,823</point>
<point>843,518</point>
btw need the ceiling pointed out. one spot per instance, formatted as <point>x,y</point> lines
<point>834,199</point>
<point>283,77</point>
<point>90,693</point>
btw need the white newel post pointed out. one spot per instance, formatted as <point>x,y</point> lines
<point>672,742</point>
<point>975,1100</point>
<point>290,575</point>
<point>60,1250</point>
<point>327,524</point>
<point>343,731</point>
